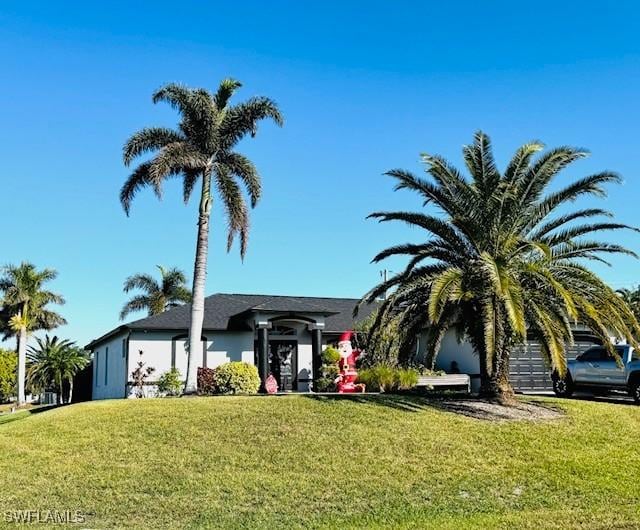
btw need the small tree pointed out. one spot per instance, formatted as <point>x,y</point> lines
<point>140,376</point>
<point>54,362</point>
<point>8,366</point>
<point>328,371</point>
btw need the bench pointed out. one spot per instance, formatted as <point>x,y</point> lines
<point>445,381</point>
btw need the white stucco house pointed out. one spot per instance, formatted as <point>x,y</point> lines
<point>283,335</point>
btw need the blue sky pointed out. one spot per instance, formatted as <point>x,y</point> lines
<point>364,87</point>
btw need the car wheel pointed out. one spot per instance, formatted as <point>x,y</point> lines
<point>562,386</point>
<point>634,390</point>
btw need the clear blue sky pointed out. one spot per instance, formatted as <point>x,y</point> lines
<point>364,87</point>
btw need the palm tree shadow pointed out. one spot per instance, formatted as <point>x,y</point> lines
<point>470,407</point>
<point>406,403</point>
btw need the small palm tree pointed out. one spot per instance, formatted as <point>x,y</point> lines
<point>170,292</point>
<point>632,298</point>
<point>25,309</point>
<point>501,262</point>
<point>201,150</point>
<point>52,362</point>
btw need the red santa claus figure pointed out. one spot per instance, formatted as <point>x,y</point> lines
<point>346,380</point>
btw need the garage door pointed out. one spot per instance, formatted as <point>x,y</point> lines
<point>528,371</point>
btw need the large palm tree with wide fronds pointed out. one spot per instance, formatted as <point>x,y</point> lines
<point>25,309</point>
<point>54,362</point>
<point>169,292</point>
<point>503,259</point>
<point>202,150</point>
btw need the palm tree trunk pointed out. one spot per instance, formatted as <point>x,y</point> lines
<point>70,390</point>
<point>22,364</point>
<point>199,280</point>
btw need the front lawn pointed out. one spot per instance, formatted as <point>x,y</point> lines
<point>278,462</point>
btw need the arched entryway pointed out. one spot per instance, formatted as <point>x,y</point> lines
<point>285,348</point>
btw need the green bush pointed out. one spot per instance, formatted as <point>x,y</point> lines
<point>170,383</point>
<point>330,356</point>
<point>325,384</point>
<point>385,378</point>
<point>406,378</point>
<point>378,378</point>
<point>8,364</point>
<point>328,371</point>
<point>236,378</point>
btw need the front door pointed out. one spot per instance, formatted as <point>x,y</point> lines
<point>283,363</point>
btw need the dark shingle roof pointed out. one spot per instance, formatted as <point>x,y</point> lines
<point>220,310</point>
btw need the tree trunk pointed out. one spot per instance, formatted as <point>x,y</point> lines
<point>61,392</point>
<point>70,390</point>
<point>496,385</point>
<point>199,280</point>
<point>22,364</point>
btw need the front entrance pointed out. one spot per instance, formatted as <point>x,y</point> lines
<point>283,363</point>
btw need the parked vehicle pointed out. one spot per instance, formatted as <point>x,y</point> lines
<point>597,371</point>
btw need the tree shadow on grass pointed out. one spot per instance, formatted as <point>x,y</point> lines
<point>470,407</point>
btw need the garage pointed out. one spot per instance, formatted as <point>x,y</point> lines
<point>528,371</point>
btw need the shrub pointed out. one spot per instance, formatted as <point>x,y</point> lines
<point>378,378</point>
<point>385,378</point>
<point>406,378</point>
<point>236,378</point>
<point>330,356</point>
<point>170,383</point>
<point>206,381</point>
<point>8,364</point>
<point>140,376</point>
<point>328,371</point>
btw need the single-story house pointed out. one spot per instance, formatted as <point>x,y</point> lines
<point>283,335</point>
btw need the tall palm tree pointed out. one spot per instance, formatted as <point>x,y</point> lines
<point>25,309</point>
<point>202,149</point>
<point>53,362</point>
<point>503,258</point>
<point>170,292</point>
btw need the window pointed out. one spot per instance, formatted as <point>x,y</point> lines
<point>593,354</point>
<point>96,366</point>
<point>622,352</point>
<point>106,366</point>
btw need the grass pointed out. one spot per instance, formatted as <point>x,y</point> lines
<point>294,461</point>
<point>6,418</point>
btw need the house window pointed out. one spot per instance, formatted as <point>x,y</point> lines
<point>96,366</point>
<point>106,366</point>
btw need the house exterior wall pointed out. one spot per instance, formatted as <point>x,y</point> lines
<point>451,350</point>
<point>161,348</point>
<point>109,368</point>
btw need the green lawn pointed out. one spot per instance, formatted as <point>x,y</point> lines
<point>335,463</point>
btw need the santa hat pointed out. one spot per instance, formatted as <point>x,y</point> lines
<point>346,336</point>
